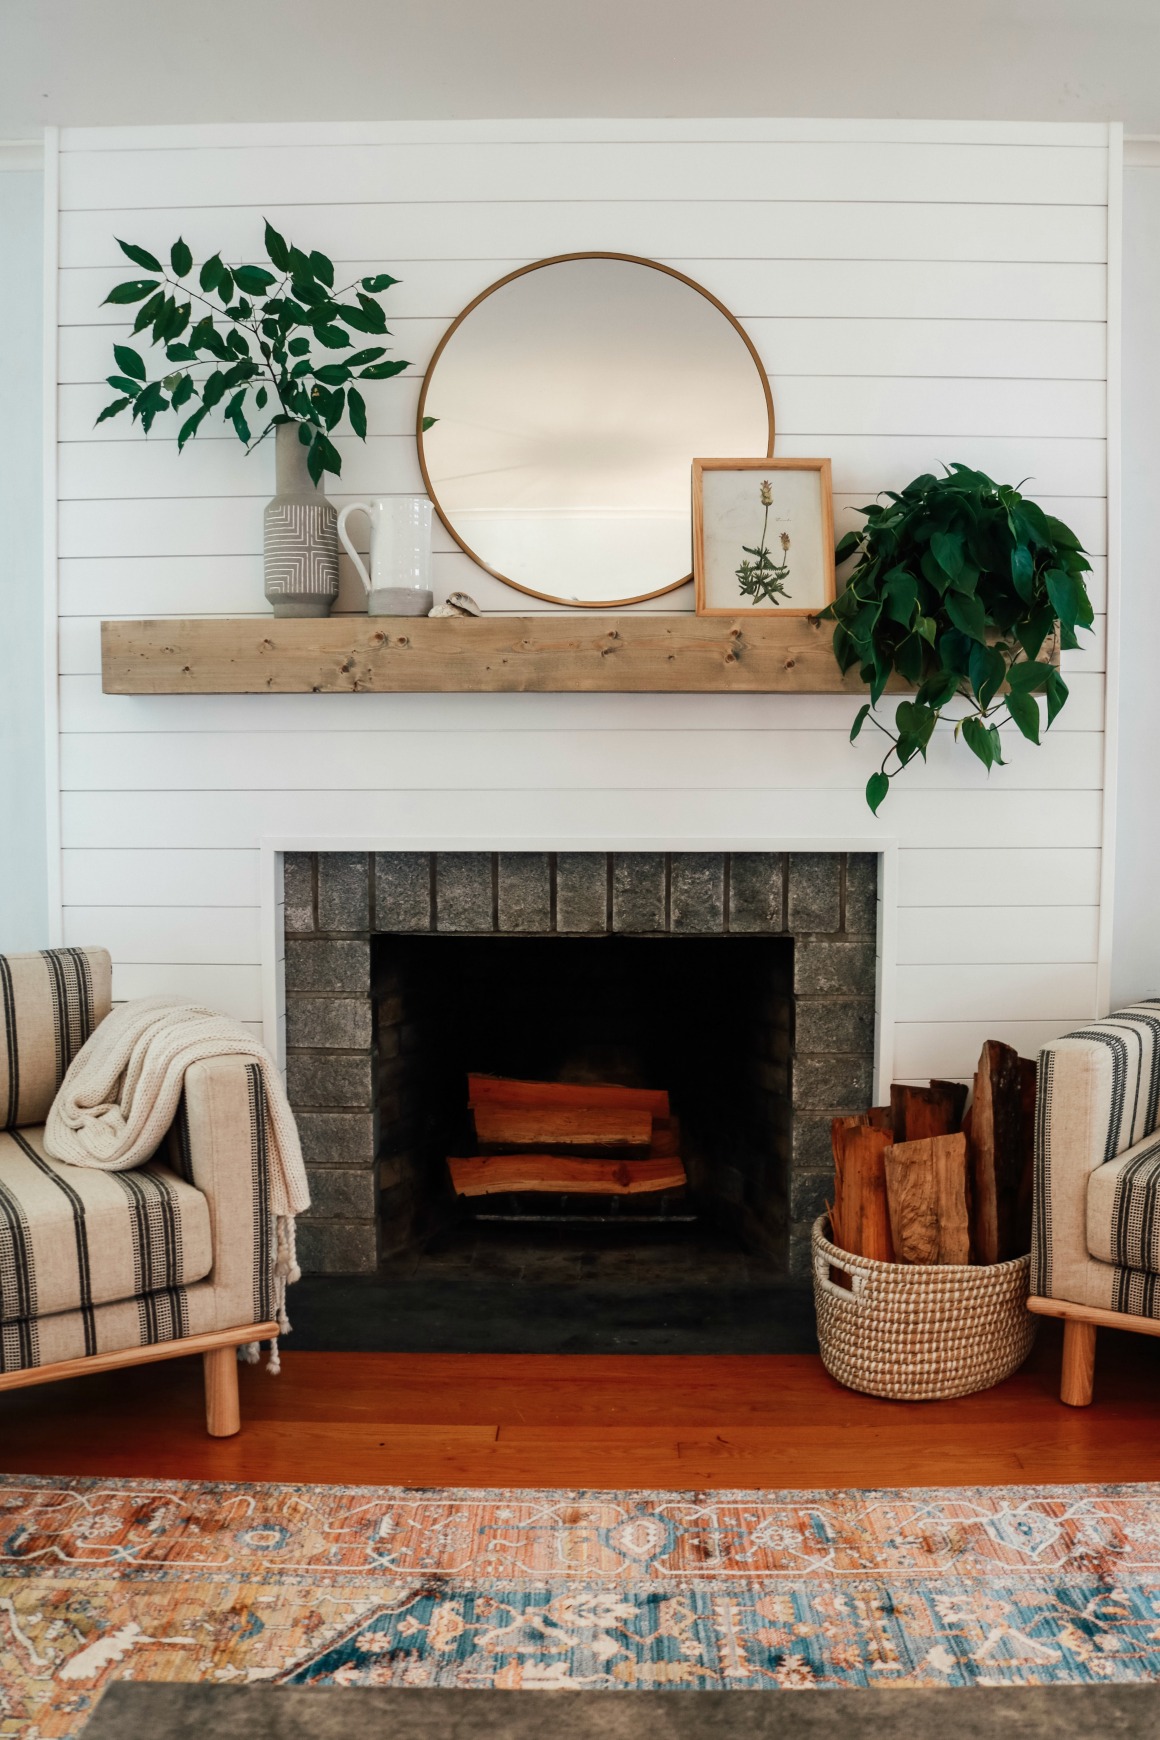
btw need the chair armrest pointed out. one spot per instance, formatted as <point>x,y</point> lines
<point>1099,1094</point>
<point>218,1142</point>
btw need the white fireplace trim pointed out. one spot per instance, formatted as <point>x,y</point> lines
<point>274,847</point>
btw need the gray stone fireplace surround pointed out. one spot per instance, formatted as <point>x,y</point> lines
<point>818,1063</point>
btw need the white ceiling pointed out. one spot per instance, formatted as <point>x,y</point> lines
<point>81,62</point>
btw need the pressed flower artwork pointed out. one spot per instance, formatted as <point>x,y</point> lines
<point>762,536</point>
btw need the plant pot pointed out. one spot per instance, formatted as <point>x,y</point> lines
<point>301,540</point>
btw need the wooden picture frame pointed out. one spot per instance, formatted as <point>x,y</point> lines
<point>718,538</point>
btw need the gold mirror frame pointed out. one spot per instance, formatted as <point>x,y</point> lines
<point>522,272</point>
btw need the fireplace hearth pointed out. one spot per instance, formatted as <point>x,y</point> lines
<point>743,984</point>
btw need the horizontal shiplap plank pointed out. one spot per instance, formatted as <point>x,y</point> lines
<point>955,935</point>
<point>1049,877</point>
<point>84,708</point>
<point>118,878</point>
<point>231,990</point>
<point>437,172</point>
<point>325,134</point>
<point>988,349</point>
<point>978,289</point>
<point>1018,992</point>
<point>870,405</point>
<point>503,229</point>
<point>238,819</point>
<point>192,935</point>
<point>782,760</point>
<point>950,1049</point>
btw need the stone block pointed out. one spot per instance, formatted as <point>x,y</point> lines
<point>344,900</point>
<point>337,1138</point>
<point>337,968</point>
<point>815,891</point>
<point>844,1024</point>
<point>319,1078</point>
<point>755,894</point>
<point>582,892</point>
<point>841,1085</point>
<point>810,1144</point>
<point>833,967</point>
<point>298,890</point>
<point>463,891</point>
<point>328,1023</point>
<point>809,1192</point>
<point>800,1266</point>
<point>697,893</point>
<point>862,894</point>
<point>638,893</point>
<point>525,892</point>
<point>339,1195</point>
<point>337,1247</point>
<point>402,891</point>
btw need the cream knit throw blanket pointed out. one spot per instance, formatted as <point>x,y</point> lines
<point>121,1091</point>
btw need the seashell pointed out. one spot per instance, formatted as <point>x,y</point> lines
<point>443,610</point>
<point>464,603</point>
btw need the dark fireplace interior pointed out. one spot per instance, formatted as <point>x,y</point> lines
<point>708,1019</point>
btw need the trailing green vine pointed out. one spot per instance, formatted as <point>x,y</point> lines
<point>959,586</point>
<point>250,346</point>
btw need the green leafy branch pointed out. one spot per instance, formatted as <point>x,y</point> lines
<point>959,586</point>
<point>253,346</point>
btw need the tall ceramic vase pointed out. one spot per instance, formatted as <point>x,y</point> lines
<point>301,541</point>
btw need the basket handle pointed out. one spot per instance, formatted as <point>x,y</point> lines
<point>850,1295</point>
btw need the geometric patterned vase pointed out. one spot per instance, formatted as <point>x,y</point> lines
<point>301,541</point>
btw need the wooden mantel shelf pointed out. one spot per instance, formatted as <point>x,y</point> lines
<point>681,654</point>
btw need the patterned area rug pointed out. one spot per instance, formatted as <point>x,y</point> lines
<point>175,1580</point>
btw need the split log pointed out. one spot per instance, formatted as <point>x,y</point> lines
<point>666,1139</point>
<point>859,1220</point>
<point>597,1129</point>
<point>998,1154</point>
<point>926,1188</point>
<point>936,1110</point>
<point>549,1174</point>
<point>503,1090</point>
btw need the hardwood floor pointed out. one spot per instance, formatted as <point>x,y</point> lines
<point>592,1421</point>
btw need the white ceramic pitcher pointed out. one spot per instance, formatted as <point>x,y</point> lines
<point>399,583</point>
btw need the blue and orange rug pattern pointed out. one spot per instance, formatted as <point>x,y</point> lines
<point>184,1580</point>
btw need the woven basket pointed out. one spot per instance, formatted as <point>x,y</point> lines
<point>919,1333</point>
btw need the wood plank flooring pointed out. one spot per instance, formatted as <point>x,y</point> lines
<point>592,1421</point>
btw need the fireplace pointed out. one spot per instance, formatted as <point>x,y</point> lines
<point>742,984</point>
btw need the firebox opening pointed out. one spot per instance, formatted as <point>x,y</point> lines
<point>708,1019</point>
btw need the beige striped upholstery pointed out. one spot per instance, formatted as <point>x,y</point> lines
<point>94,1261</point>
<point>1096,1237</point>
<point>49,1004</point>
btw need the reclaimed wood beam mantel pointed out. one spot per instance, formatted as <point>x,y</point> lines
<point>542,654</point>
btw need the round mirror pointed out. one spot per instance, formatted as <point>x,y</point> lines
<point>565,407</point>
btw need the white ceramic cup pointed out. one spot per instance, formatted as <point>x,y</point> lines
<point>399,582</point>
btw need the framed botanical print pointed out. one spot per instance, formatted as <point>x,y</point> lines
<point>763,536</point>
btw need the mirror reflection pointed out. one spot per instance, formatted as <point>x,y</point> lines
<point>570,401</point>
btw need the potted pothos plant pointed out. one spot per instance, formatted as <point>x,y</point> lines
<point>964,588</point>
<point>273,351</point>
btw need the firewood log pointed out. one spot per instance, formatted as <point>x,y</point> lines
<point>550,1174</point>
<point>936,1110</point>
<point>926,1189</point>
<point>860,1222</point>
<point>998,1156</point>
<point>503,1090</point>
<point>597,1129</point>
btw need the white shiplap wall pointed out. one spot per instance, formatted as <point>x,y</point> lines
<point>918,292</point>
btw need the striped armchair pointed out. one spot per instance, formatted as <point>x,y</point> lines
<point>101,1269</point>
<point>1096,1233</point>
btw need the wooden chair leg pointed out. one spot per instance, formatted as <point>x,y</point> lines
<point>222,1412</point>
<point>1079,1363</point>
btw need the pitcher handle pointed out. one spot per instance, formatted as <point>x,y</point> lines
<point>359,565</point>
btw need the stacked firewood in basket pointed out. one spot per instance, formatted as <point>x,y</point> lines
<point>924,1180</point>
<point>568,1138</point>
